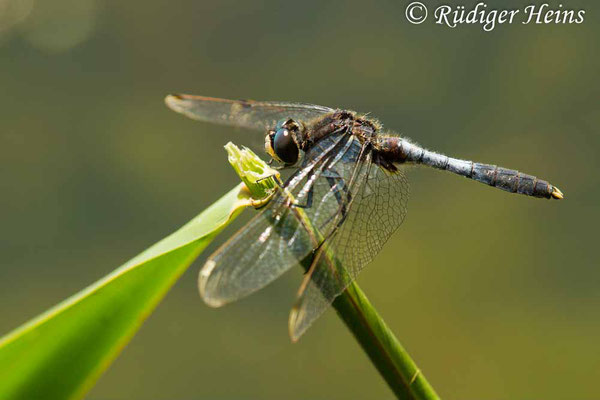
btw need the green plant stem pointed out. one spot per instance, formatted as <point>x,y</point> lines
<point>392,361</point>
<point>385,351</point>
<point>377,340</point>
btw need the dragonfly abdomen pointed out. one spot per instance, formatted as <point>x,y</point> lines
<point>399,151</point>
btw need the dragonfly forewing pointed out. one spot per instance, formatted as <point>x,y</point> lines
<point>258,115</point>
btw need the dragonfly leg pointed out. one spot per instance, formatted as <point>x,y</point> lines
<point>342,195</point>
<point>309,195</point>
<point>276,176</point>
<point>342,198</point>
<point>309,200</point>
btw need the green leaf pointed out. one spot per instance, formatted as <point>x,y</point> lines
<point>61,353</point>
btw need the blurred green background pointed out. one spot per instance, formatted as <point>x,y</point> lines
<point>495,295</point>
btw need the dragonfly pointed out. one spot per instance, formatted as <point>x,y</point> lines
<point>346,196</point>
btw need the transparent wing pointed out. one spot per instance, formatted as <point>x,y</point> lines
<point>259,253</point>
<point>277,238</point>
<point>377,207</point>
<point>259,115</point>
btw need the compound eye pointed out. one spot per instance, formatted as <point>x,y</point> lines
<point>284,146</point>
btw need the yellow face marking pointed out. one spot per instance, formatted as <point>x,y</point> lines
<point>269,148</point>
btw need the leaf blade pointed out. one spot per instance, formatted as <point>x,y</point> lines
<point>61,353</point>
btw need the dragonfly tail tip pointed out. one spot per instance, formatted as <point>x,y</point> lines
<point>557,194</point>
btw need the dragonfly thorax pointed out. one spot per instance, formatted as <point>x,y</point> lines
<point>343,121</point>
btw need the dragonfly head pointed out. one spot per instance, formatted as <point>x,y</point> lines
<point>281,142</point>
